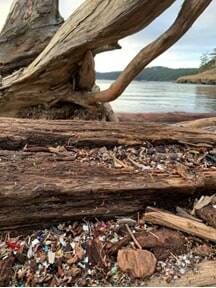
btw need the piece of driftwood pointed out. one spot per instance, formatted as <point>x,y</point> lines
<point>182,224</point>
<point>169,117</point>
<point>41,184</point>
<point>203,275</point>
<point>52,77</point>
<point>41,188</point>
<point>16,133</point>
<point>199,123</point>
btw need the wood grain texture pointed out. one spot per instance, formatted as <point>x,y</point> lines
<point>16,133</point>
<point>181,224</point>
<point>40,187</point>
<point>28,22</point>
<point>93,26</point>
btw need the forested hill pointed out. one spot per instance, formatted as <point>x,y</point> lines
<point>153,74</point>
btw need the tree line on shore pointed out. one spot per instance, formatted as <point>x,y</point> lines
<point>208,60</point>
<point>157,73</point>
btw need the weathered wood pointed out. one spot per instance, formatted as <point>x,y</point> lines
<point>181,224</point>
<point>199,123</point>
<point>29,22</point>
<point>190,11</point>
<point>16,133</point>
<point>41,187</point>
<point>50,77</point>
<point>169,117</point>
<point>203,276</point>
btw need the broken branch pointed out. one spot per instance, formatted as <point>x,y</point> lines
<point>182,224</point>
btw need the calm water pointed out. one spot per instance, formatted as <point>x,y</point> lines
<point>143,96</point>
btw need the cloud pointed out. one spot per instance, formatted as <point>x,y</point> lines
<point>66,7</point>
<point>185,53</point>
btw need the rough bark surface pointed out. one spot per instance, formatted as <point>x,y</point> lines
<point>28,29</point>
<point>39,188</point>
<point>169,117</point>
<point>199,123</point>
<point>16,133</point>
<point>42,186</point>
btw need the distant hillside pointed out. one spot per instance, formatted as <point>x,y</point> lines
<point>153,74</point>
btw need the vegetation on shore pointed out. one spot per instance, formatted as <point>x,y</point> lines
<point>157,73</point>
<point>207,71</point>
<point>207,77</point>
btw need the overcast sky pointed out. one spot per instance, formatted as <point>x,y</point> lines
<point>185,53</point>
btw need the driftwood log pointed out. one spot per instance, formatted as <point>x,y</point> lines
<point>39,187</point>
<point>164,117</point>
<point>16,133</point>
<point>64,70</point>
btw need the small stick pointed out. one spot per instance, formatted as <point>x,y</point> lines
<point>174,256</point>
<point>138,218</point>
<point>153,235</point>
<point>133,237</point>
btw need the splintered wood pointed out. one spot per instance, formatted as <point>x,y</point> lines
<point>182,224</point>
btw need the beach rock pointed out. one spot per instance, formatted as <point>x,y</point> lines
<point>137,263</point>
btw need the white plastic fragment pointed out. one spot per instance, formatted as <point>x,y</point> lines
<point>35,242</point>
<point>51,257</point>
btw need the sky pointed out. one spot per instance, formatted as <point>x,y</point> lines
<point>185,53</point>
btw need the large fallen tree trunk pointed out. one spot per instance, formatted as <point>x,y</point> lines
<point>16,133</point>
<point>40,184</point>
<point>37,189</point>
<point>164,117</point>
<point>64,71</point>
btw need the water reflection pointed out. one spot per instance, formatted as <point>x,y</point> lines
<point>206,96</point>
<point>164,97</point>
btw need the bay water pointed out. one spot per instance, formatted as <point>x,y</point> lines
<point>147,96</point>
